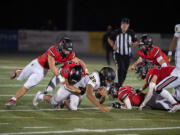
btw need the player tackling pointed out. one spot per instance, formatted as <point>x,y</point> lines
<point>97,82</point>
<point>37,69</point>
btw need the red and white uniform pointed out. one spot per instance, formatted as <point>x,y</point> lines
<point>161,73</point>
<point>156,102</point>
<point>67,67</point>
<point>37,69</point>
<point>134,98</point>
<point>166,78</point>
<point>53,51</point>
<point>64,71</point>
<point>154,55</point>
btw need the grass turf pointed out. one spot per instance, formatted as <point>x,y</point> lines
<point>25,116</point>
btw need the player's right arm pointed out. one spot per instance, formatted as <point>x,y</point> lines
<point>152,85</point>
<point>51,62</point>
<point>139,60</point>
<point>71,88</point>
<point>172,47</point>
<point>89,94</point>
<point>127,104</point>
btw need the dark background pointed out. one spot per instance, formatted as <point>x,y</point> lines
<point>90,15</point>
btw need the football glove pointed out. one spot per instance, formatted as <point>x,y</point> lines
<point>116,105</point>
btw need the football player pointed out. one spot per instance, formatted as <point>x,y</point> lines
<point>134,97</point>
<point>37,69</point>
<point>97,81</point>
<point>75,75</point>
<point>159,80</point>
<point>152,54</point>
<point>64,71</point>
<point>176,40</point>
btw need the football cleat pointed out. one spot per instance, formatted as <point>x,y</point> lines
<point>175,108</point>
<point>36,98</point>
<point>10,102</point>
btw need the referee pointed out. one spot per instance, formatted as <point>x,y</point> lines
<point>121,40</point>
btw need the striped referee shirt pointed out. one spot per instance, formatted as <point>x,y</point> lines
<point>123,40</point>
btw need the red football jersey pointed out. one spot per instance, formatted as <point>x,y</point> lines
<point>161,73</point>
<point>66,68</point>
<point>134,98</point>
<point>153,54</point>
<point>53,51</point>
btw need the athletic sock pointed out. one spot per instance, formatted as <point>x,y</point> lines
<point>165,94</point>
<point>13,98</point>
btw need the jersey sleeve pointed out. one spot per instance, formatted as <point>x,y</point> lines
<point>65,72</point>
<point>72,56</point>
<point>149,76</point>
<point>140,54</point>
<point>122,93</point>
<point>52,51</point>
<point>177,34</point>
<point>157,54</point>
<point>92,81</point>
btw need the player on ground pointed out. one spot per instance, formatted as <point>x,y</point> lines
<point>75,74</point>
<point>158,80</point>
<point>37,69</point>
<point>150,53</point>
<point>97,81</point>
<point>133,97</point>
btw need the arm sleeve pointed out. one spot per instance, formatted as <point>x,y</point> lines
<point>149,94</point>
<point>91,83</point>
<point>157,53</point>
<point>51,51</point>
<point>72,56</point>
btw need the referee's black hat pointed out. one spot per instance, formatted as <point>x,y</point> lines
<point>125,20</point>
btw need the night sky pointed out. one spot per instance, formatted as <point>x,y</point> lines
<point>91,15</point>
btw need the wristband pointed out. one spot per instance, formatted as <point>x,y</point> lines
<point>170,53</point>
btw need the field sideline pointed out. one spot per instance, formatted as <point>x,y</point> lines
<point>26,119</point>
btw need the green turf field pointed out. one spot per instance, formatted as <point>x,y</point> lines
<point>26,119</point>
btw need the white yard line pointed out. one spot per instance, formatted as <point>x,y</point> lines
<point>126,134</point>
<point>27,95</point>
<point>8,78</point>
<point>8,67</point>
<point>4,123</point>
<point>87,108</point>
<point>19,85</point>
<point>38,127</point>
<point>90,130</point>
